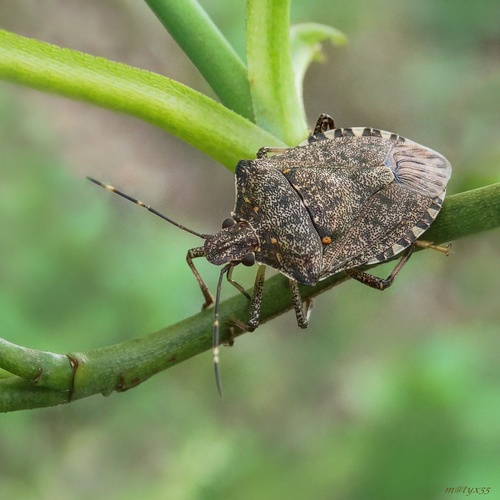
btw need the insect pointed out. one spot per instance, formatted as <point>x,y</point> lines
<point>344,198</point>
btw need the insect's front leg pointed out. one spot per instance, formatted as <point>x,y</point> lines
<point>193,254</point>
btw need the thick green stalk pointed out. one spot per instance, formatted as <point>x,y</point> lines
<point>208,49</point>
<point>43,379</point>
<point>467,213</point>
<point>276,103</point>
<point>210,127</point>
<point>27,364</point>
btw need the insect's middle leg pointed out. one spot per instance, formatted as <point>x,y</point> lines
<point>375,281</point>
<point>255,303</point>
<point>302,313</point>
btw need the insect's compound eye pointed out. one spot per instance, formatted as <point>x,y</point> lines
<point>228,223</point>
<point>248,259</point>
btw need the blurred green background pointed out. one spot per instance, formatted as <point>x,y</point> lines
<point>393,395</point>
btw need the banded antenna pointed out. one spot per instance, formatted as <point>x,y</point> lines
<point>204,289</point>
<point>147,207</point>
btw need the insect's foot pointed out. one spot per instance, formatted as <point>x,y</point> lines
<point>235,324</point>
<point>446,249</point>
<point>206,305</point>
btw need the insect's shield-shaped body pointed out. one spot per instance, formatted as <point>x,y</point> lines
<point>345,198</point>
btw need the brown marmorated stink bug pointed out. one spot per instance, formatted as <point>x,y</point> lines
<point>344,198</point>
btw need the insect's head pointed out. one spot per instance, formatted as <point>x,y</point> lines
<point>236,242</point>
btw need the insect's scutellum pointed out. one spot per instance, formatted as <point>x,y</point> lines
<point>344,198</point>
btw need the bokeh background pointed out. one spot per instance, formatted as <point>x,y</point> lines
<point>393,395</point>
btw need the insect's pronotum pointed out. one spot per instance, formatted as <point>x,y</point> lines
<point>344,198</point>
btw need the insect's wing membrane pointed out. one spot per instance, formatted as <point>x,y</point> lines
<point>419,169</point>
<point>395,216</point>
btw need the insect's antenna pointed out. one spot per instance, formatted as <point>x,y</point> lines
<point>147,207</point>
<point>216,336</point>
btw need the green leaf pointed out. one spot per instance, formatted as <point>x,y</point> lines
<point>305,45</point>
<point>208,49</point>
<point>276,103</point>
<point>207,125</point>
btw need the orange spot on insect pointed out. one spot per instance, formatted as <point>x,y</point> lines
<point>274,241</point>
<point>255,209</point>
<point>326,240</point>
<point>286,171</point>
<point>247,200</point>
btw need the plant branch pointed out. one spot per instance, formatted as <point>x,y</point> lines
<point>276,103</point>
<point>208,49</point>
<point>43,379</point>
<point>207,125</point>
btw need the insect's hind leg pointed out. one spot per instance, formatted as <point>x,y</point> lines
<point>381,283</point>
<point>446,249</point>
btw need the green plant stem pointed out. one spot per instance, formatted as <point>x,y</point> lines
<point>123,366</point>
<point>270,70</point>
<point>210,127</point>
<point>208,49</point>
<point>467,213</point>
<point>27,364</point>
